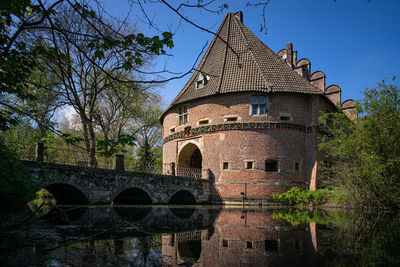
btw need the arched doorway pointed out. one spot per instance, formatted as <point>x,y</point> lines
<point>190,161</point>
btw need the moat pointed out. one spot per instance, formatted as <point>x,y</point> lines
<point>202,236</point>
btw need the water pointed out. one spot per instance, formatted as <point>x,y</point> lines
<point>203,236</point>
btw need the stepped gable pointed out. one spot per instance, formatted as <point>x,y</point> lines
<point>237,61</point>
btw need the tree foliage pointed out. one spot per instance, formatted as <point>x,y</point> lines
<point>367,150</point>
<point>16,187</point>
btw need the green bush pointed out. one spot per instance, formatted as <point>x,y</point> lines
<point>297,196</point>
<point>16,187</point>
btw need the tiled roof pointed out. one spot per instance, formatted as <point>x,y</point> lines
<point>237,61</point>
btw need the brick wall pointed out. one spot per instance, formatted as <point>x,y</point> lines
<point>290,147</point>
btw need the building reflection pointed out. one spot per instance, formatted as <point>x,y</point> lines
<point>242,238</point>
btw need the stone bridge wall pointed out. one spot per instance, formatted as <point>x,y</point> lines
<point>103,186</point>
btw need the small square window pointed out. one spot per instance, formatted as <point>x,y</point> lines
<point>225,165</point>
<point>172,130</point>
<point>271,165</point>
<point>249,165</point>
<point>249,244</point>
<point>262,99</point>
<point>254,99</point>
<point>225,243</point>
<point>271,245</point>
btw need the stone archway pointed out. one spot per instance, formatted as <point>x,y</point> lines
<point>190,161</point>
<point>133,196</point>
<point>66,194</point>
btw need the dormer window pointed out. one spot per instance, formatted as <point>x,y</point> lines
<point>201,80</point>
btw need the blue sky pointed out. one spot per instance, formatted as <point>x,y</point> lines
<point>354,42</point>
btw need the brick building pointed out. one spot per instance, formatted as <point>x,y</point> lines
<point>246,118</point>
<point>243,238</point>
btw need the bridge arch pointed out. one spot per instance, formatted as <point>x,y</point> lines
<point>133,196</point>
<point>67,194</point>
<point>182,197</point>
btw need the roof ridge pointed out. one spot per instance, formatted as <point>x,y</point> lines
<point>202,61</point>
<point>251,52</point>
<point>285,65</point>
<point>226,53</point>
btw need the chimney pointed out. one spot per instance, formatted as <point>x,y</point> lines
<point>289,58</point>
<point>239,15</point>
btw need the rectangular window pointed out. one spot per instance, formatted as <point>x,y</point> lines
<point>230,119</point>
<point>254,109</point>
<point>249,165</point>
<point>203,122</point>
<point>225,243</point>
<point>258,105</point>
<point>271,245</point>
<point>297,166</point>
<point>225,165</point>
<point>271,165</point>
<point>183,116</point>
<point>283,116</point>
<point>249,244</point>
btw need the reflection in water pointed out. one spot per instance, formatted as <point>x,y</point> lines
<point>63,215</point>
<point>159,236</point>
<point>133,214</point>
<point>182,212</point>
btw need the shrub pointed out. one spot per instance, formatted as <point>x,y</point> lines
<point>297,196</point>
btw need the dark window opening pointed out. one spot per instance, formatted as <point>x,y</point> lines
<point>225,165</point>
<point>172,130</point>
<point>271,165</point>
<point>224,243</point>
<point>231,119</point>
<point>249,165</point>
<point>297,244</point>
<point>202,122</point>
<point>271,245</point>
<point>285,118</point>
<point>297,166</point>
<point>249,244</point>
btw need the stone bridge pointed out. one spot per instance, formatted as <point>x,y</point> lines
<point>84,185</point>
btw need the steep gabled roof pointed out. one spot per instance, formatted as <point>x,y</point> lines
<point>237,61</point>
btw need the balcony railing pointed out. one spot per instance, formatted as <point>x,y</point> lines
<point>189,172</point>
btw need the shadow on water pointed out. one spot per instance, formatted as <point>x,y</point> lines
<point>62,215</point>
<point>133,196</point>
<point>133,214</point>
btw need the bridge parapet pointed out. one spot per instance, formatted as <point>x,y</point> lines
<point>104,185</point>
